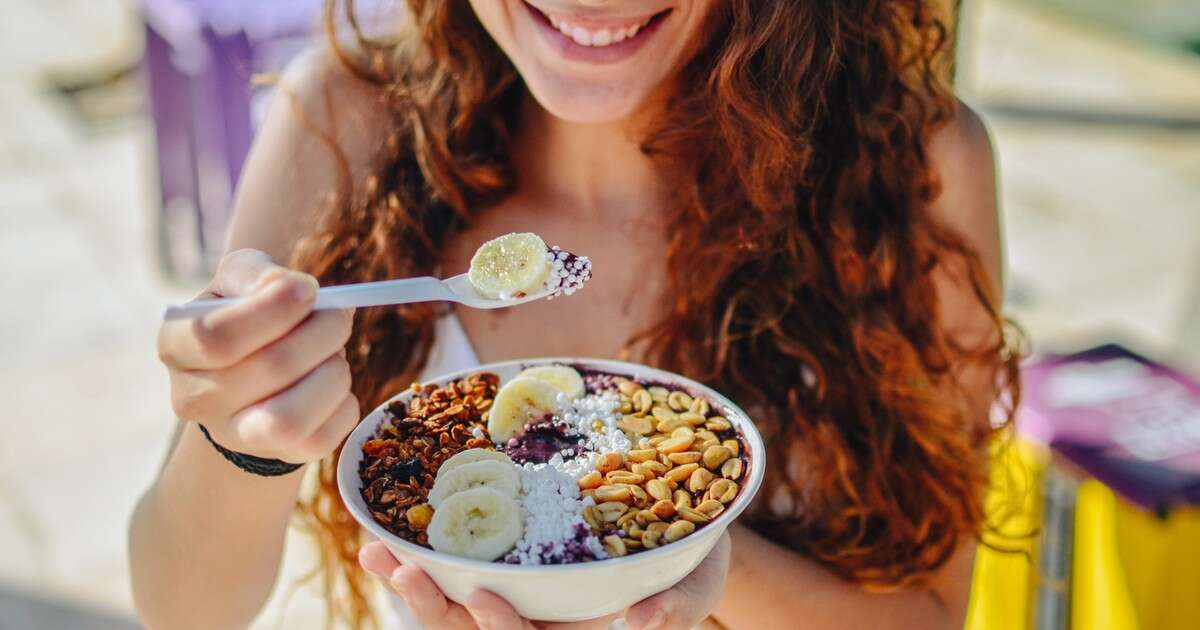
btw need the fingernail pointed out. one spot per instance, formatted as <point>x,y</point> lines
<point>657,620</point>
<point>396,583</point>
<point>305,289</point>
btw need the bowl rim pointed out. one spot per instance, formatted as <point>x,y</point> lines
<point>348,478</point>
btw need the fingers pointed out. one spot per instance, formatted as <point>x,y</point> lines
<point>286,420</point>
<point>227,335</point>
<point>208,394</point>
<point>428,604</point>
<point>377,560</point>
<point>491,612</point>
<point>424,599</point>
<point>243,271</point>
<point>330,435</point>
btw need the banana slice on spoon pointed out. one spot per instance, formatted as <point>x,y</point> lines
<point>519,265</point>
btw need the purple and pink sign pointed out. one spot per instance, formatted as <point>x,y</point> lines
<point>1130,422</point>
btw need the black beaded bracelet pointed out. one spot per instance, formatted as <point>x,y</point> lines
<point>261,466</point>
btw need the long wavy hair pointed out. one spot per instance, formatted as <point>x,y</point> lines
<point>797,140</point>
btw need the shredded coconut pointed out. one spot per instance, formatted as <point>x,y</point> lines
<point>555,531</point>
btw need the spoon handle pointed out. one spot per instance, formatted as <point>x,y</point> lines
<point>404,291</point>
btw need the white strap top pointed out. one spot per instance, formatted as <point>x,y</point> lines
<point>451,349</point>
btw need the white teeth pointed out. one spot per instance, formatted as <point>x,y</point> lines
<point>598,38</point>
<point>581,36</point>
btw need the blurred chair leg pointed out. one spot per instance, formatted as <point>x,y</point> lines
<point>1053,611</point>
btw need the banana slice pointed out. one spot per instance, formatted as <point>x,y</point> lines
<point>480,523</point>
<point>470,456</point>
<point>520,401</point>
<point>493,474</point>
<point>561,377</point>
<point>510,266</point>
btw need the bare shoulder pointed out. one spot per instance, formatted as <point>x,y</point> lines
<point>322,120</point>
<point>961,152</point>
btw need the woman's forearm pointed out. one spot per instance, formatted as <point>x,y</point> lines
<point>772,587</point>
<point>207,538</point>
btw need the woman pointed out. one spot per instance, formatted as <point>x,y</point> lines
<point>781,199</point>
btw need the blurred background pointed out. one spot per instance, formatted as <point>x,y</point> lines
<point>123,125</point>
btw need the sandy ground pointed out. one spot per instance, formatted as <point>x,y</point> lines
<point>1103,229</point>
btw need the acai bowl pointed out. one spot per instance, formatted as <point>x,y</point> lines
<point>573,488</point>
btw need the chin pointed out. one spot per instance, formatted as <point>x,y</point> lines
<point>585,102</point>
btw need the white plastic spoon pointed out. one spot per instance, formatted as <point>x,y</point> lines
<point>405,291</point>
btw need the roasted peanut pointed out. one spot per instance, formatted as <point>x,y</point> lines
<point>659,394</point>
<point>613,493</point>
<point>615,546</point>
<point>693,419</point>
<point>678,530</point>
<point>610,511</point>
<point>686,457</point>
<point>683,432</point>
<point>609,462</point>
<point>624,476</point>
<point>650,538</point>
<point>663,509</point>
<point>698,481</point>
<point>642,400</point>
<point>627,387</point>
<point>718,423</point>
<point>655,467</point>
<point>645,517</point>
<point>710,507</point>
<point>669,425</point>
<point>705,439</point>
<point>591,517</point>
<point>679,401</point>
<point>714,456</point>
<point>732,445</point>
<point>658,489</point>
<point>590,481</point>
<point>732,469</point>
<point>719,488</point>
<point>675,444</point>
<point>662,413</point>
<point>690,514</point>
<point>635,424</point>
<point>642,455</point>
<point>700,406</point>
<point>680,473</point>
<point>682,498</point>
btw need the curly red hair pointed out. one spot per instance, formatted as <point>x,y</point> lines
<point>797,138</point>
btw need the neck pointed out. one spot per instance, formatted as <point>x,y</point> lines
<point>583,168</point>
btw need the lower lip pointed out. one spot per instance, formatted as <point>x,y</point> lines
<point>594,54</point>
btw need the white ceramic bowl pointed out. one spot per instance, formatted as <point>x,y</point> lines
<point>568,592</point>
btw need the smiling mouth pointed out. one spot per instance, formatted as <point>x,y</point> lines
<point>596,35</point>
